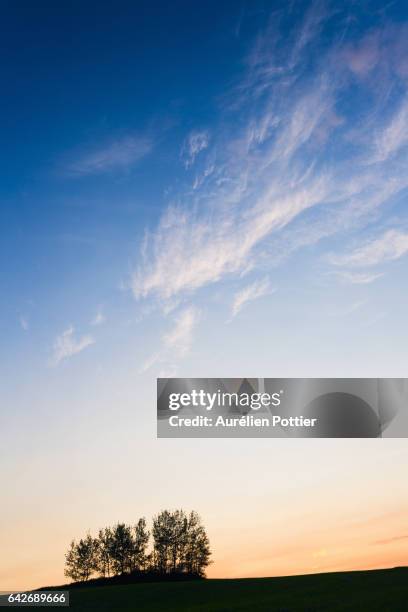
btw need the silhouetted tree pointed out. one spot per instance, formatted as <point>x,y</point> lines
<point>139,545</point>
<point>121,549</point>
<point>162,536</point>
<point>197,550</point>
<point>104,564</point>
<point>81,559</point>
<point>71,563</point>
<point>180,545</point>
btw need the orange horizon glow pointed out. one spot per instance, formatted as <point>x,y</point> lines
<point>278,509</point>
<point>379,542</point>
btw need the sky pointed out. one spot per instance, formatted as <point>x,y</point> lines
<point>199,189</point>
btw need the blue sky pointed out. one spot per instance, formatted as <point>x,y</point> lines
<point>196,159</point>
<point>195,189</point>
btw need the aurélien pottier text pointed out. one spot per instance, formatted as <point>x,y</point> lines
<point>243,421</point>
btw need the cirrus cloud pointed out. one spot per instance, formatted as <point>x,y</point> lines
<point>177,342</point>
<point>66,345</point>
<point>392,245</point>
<point>119,154</point>
<point>250,293</point>
<point>290,162</point>
<point>196,141</point>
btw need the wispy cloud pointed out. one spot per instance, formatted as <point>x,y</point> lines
<point>272,174</point>
<point>382,50</point>
<point>99,318</point>
<point>290,163</point>
<point>313,110</point>
<point>359,278</point>
<point>195,142</point>
<point>393,137</point>
<point>66,345</point>
<point>179,339</point>
<point>118,154</point>
<point>391,245</point>
<point>189,251</point>
<point>177,342</point>
<point>363,55</point>
<point>250,293</point>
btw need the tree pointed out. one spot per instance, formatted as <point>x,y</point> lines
<point>81,559</point>
<point>121,549</point>
<point>180,543</point>
<point>105,539</point>
<point>139,545</point>
<point>162,536</point>
<point>198,553</point>
<point>71,563</point>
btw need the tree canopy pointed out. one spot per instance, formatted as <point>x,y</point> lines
<point>180,546</point>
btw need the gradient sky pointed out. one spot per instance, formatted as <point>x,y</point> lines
<point>199,189</point>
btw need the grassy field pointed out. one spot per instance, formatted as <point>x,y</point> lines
<point>379,590</point>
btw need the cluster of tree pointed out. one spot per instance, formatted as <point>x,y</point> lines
<point>180,546</point>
